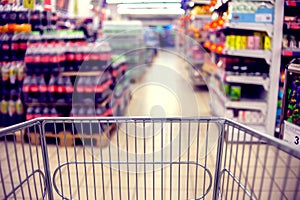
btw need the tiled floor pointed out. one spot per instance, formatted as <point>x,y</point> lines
<point>87,172</point>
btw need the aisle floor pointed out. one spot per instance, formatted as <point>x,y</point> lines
<point>164,90</point>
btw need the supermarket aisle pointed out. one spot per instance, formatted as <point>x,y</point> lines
<point>165,89</point>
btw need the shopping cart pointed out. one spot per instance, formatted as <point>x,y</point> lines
<point>145,158</point>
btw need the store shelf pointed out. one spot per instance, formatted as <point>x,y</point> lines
<point>268,28</point>
<point>264,54</point>
<point>218,111</point>
<point>293,52</point>
<point>254,80</point>
<point>292,25</point>
<point>247,104</point>
<point>292,3</point>
<point>78,73</point>
<point>63,104</point>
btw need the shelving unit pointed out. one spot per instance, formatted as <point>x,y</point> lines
<point>77,79</point>
<point>126,38</point>
<point>290,48</point>
<point>263,54</point>
<point>245,66</point>
<point>290,115</point>
<point>193,34</point>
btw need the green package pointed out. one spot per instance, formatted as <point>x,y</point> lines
<point>235,92</point>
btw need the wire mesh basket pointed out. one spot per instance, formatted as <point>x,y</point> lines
<point>144,158</point>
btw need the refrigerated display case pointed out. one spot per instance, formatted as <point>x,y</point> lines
<point>290,116</point>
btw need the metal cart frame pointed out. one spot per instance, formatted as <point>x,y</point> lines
<point>145,158</point>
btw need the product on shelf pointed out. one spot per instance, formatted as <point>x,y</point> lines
<point>12,75</point>
<point>251,12</point>
<point>12,111</point>
<point>255,41</point>
<point>290,116</point>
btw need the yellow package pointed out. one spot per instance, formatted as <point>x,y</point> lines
<point>238,42</point>
<point>243,42</point>
<point>267,43</point>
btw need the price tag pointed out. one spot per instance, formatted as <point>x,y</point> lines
<point>291,134</point>
<point>29,4</point>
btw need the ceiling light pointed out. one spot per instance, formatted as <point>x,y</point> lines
<point>150,6</point>
<point>141,1</point>
<point>158,11</point>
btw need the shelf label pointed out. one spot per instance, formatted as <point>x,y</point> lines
<point>29,4</point>
<point>266,17</point>
<point>291,134</point>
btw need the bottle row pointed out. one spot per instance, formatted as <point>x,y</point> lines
<point>61,89</point>
<point>15,14</point>
<point>73,57</point>
<point>290,41</point>
<point>13,46</point>
<point>11,111</point>
<point>246,116</point>
<point>12,76</point>
<point>244,66</point>
<point>33,112</point>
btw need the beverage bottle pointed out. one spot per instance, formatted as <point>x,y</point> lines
<point>90,112</point>
<point>5,70</point>
<point>29,61</point>
<point>81,112</point>
<point>3,16</point>
<point>35,39</point>
<point>53,112</point>
<point>43,89</point>
<point>25,89</point>
<point>15,47</point>
<point>102,90</point>
<point>12,15</point>
<point>74,111</point>
<point>80,85</point>
<point>89,84</point>
<point>87,64</point>
<point>69,89</point>
<point>35,19</point>
<point>46,112</point>
<point>37,112</point>
<point>22,45</point>
<point>34,89</point>
<point>44,60</point>
<point>4,112</point>
<point>70,58</point>
<point>12,113</point>
<point>44,18</point>
<point>6,47</point>
<point>37,60</point>
<point>19,110</point>
<point>13,76</point>
<point>52,89</point>
<point>53,60</point>
<point>22,16</point>
<point>78,57</point>
<point>30,113</point>
<point>61,89</point>
<point>62,58</point>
